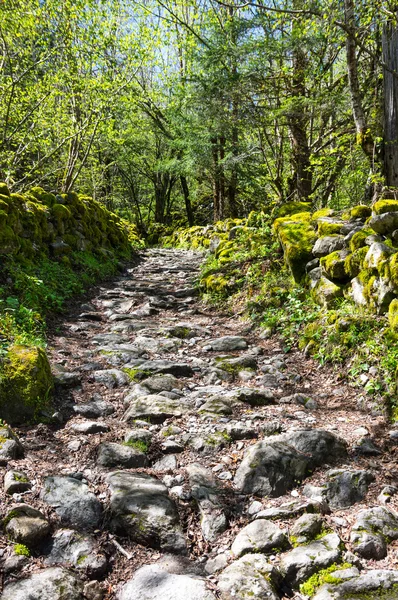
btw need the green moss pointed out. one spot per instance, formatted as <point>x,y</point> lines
<point>334,266</point>
<point>27,384</point>
<point>292,208</point>
<point>61,212</point>
<point>136,374</point>
<point>358,239</point>
<point>81,559</point>
<point>218,439</point>
<point>4,189</point>
<point>393,315</point>
<point>309,587</point>
<point>21,550</point>
<point>328,228</point>
<point>353,263</point>
<point>322,213</point>
<point>360,212</point>
<point>140,445</point>
<point>297,238</point>
<point>383,206</point>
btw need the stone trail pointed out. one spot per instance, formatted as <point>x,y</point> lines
<point>193,460</point>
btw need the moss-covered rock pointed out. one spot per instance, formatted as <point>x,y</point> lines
<point>25,386</point>
<point>360,212</point>
<point>292,208</point>
<point>4,189</point>
<point>297,238</point>
<point>333,265</point>
<point>354,262</point>
<point>329,226</point>
<point>393,315</point>
<point>326,292</point>
<point>384,206</point>
<point>358,240</point>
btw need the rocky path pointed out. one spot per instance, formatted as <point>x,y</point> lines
<point>194,460</point>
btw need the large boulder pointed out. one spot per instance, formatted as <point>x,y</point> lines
<point>142,509</point>
<point>252,576</point>
<point>26,385</point>
<point>274,465</point>
<point>50,584</point>
<point>372,531</point>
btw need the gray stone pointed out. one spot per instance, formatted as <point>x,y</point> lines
<point>227,343</point>
<point>80,551</point>
<point>51,584</point>
<point>377,253</point>
<point>64,378</point>
<point>15,562</point>
<point>371,532</point>
<point>254,396</point>
<point>73,502</point>
<point>10,446</point>
<point>249,577</point>
<point>207,494</point>
<point>274,465</point>
<point>218,405</point>
<point>327,244</point>
<point>138,435</point>
<point>306,528</point>
<point>345,488</point>
<point>97,407</point>
<point>111,378</point>
<point>384,223</point>
<point>367,447</point>
<point>16,482</point>
<point>324,291</point>
<point>156,408</point>
<point>26,525</point>
<point>166,463</point>
<point>303,561</point>
<point>260,536</point>
<point>153,367</point>
<point>112,455</point>
<point>352,585</point>
<point>240,431</point>
<point>153,582</point>
<point>161,383</point>
<point>142,509</point>
<point>236,363</point>
<point>88,427</point>
<point>216,564</point>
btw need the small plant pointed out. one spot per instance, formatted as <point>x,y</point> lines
<point>21,550</point>
<point>140,445</point>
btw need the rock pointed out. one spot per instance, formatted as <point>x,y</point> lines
<point>161,383</point>
<point>351,584</point>
<point>306,528</point>
<point>240,431</point>
<point>27,383</point>
<point>236,363</point>
<point>51,584</point>
<point>117,455</point>
<point>206,493</point>
<point>10,446</point>
<point>111,378</point>
<point>26,525</point>
<point>151,367</point>
<point>138,435</point>
<point>387,493</point>
<point>274,465</point>
<point>227,343</point>
<point>88,427</point>
<point>367,447</point>
<point>254,396</point>
<point>371,532</point>
<point>302,562</point>
<point>80,551</point>
<point>97,407</point>
<point>16,482</point>
<point>345,488</point>
<point>15,562</point>
<point>142,509</point>
<point>73,502</point>
<point>327,244</point>
<point>324,291</point>
<point>155,408</point>
<point>153,582</point>
<point>64,378</point>
<point>218,405</point>
<point>249,577</point>
<point>376,254</point>
<point>260,536</point>
<point>94,590</point>
<point>216,564</point>
<point>166,463</point>
<point>385,223</point>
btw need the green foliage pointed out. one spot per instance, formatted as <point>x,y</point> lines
<point>140,445</point>
<point>309,587</point>
<point>21,550</point>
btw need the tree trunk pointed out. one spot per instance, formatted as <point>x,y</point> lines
<point>188,206</point>
<point>390,59</point>
<point>364,137</point>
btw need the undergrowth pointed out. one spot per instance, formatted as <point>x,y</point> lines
<point>29,292</point>
<point>251,279</point>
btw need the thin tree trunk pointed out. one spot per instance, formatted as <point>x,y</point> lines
<point>188,206</point>
<point>390,59</point>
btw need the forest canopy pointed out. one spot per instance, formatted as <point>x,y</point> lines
<point>186,111</point>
